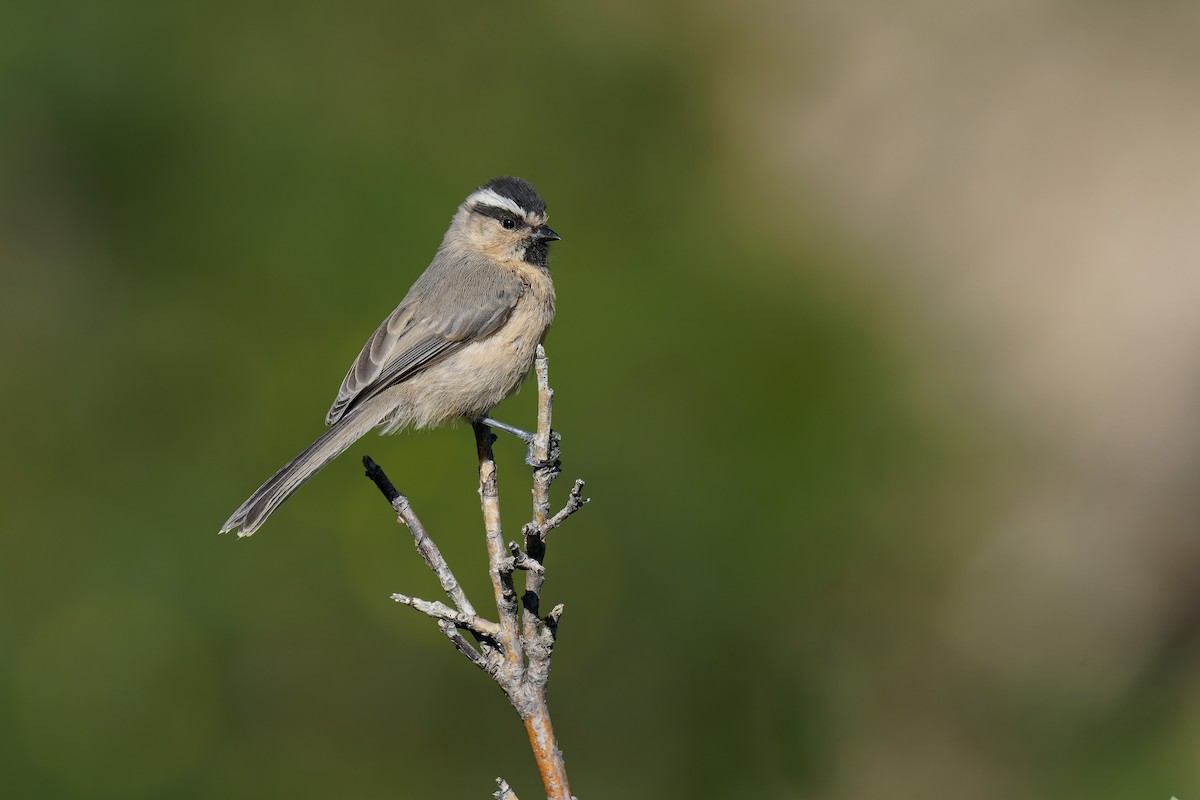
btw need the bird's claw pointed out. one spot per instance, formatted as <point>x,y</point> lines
<point>554,452</point>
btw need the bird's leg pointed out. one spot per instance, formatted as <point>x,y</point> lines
<point>526,437</point>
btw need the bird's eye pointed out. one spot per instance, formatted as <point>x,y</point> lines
<point>509,223</point>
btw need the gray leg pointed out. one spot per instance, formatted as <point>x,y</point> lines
<point>526,437</point>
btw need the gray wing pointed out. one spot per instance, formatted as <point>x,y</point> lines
<point>450,305</point>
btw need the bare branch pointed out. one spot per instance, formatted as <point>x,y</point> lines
<point>505,792</point>
<point>438,610</point>
<point>543,476</point>
<point>544,438</point>
<point>540,650</point>
<point>425,546</point>
<point>464,647</point>
<point>539,636</point>
<point>521,560</point>
<point>575,501</point>
<point>515,651</point>
<point>502,582</point>
<point>547,755</point>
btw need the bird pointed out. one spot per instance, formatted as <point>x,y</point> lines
<point>463,338</point>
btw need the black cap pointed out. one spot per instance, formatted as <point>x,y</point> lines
<point>519,191</point>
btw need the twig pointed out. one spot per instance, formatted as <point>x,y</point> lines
<point>521,560</point>
<point>543,476</point>
<point>502,581</point>
<point>479,625</point>
<point>480,628</point>
<point>425,546</point>
<point>515,651</point>
<point>463,646</point>
<point>575,501</point>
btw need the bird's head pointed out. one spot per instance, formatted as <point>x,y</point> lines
<point>505,219</point>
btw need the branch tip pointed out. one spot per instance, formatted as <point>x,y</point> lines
<point>505,791</point>
<point>522,560</point>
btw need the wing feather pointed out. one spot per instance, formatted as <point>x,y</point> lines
<point>452,304</point>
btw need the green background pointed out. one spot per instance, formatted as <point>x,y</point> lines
<point>205,208</point>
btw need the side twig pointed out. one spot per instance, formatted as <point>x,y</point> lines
<point>505,791</point>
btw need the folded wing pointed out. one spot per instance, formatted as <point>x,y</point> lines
<point>450,306</point>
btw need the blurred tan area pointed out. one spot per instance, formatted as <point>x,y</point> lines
<point>876,345</point>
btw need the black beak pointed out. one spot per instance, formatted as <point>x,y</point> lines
<point>543,232</point>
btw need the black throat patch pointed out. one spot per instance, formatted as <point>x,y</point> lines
<point>537,253</point>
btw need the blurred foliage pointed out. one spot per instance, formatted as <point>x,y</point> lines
<point>205,208</point>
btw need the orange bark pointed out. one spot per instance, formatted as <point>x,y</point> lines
<point>546,754</point>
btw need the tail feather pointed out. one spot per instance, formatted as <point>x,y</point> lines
<point>251,514</point>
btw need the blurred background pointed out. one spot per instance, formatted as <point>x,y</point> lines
<point>877,346</point>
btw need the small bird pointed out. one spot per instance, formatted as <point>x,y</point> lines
<point>462,340</point>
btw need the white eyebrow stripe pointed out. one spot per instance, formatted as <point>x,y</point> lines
<point>490,197</point>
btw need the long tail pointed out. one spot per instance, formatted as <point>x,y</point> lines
<point>335,441</point>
